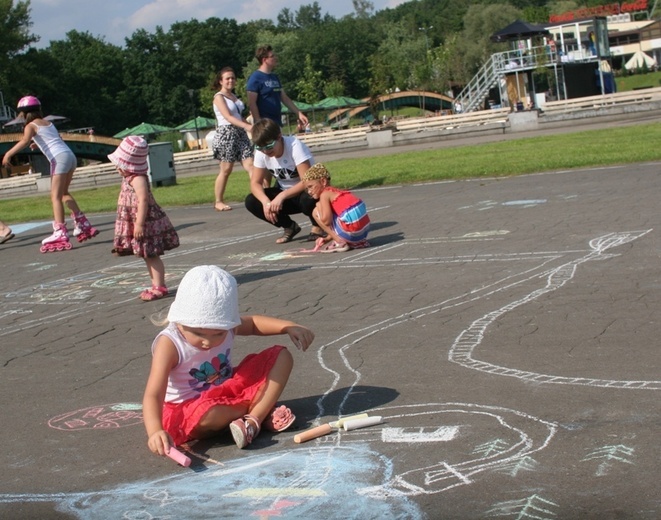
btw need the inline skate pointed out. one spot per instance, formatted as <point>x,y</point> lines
<point>82,229</point>
<point>58,241</point>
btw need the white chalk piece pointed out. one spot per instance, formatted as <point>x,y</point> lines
<point>179,457</point>
<point>313,433</point>
<point>340,422</point>
<point>362,423</point>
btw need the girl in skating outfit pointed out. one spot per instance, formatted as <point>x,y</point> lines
<point>341,214</point>
<point>194,389</point>
<point>231,143</point>
<point>142,228</point>
<point>43,135</point>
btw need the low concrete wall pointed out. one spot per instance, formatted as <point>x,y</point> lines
<point>523,121</point>
<point>379,138</point>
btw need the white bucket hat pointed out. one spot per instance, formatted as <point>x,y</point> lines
<point>207,298</point>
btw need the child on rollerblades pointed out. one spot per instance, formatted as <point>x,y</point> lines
<point>42,134</point>
<point>194,390</point>
<point>142,228</point>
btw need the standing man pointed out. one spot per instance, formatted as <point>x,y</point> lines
<point>265,92</point>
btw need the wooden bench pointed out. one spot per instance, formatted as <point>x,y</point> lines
<point>192,156</point>
<point>334,136</point>
<point>20,184</point>
<point>637,97</point>
<point>14,171</point>
<point>478,118</point>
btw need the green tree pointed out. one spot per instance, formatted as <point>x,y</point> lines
<point>480,23</point>
<point>333,88</point>
<point>88,79</point>
<point>15,35</point>
<point>363,8</point>
<point>561,6</point>
<point>310,83</point>
<point>447,66</point>
<point>398,55</point>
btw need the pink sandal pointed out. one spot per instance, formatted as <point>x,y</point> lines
<point>154,293</point>
<point>279,419</point>
<point>334,247</point>
<point>244,430</point>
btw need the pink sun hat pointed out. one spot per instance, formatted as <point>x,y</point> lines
<point>131,155</point>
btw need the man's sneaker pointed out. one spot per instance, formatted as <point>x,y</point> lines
<point>244,430</point>
<point>334,247</point>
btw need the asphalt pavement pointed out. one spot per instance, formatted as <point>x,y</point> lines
<point>504,330</point>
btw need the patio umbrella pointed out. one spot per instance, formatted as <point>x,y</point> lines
<point>638,59</point>
<point>198,123</point>
<point>299,104</point>
<point>331,103</point>
<point>518,30</point>
<point>53,119</point>
<point>337,102</point>
<point>143,129</point>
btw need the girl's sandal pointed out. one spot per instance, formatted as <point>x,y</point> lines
<point>289,233</point>
<point>279,419</point>
<point>244,430</point>
<point>8,236</point>
<point>154,293</point>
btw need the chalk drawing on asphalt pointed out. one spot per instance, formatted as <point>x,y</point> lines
<point>607,456</point>
<point>533,507</point>
<point>444,473</point>
<point>463,349</point>
<point>103,417</point>
<point>297,483</point>
<point>466,427</point>
<point>356,467</point>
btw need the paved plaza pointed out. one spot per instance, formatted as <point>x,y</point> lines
<point>505,330</point>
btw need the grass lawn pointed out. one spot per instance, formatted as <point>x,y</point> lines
<point>558,152</point>
<point>649,79</point>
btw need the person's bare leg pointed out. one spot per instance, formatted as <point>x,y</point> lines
<point>221,184</point>
<point>217,419</point>
<point>66,197</point>
<point>156,270</point>
<point>4,229</point>
<point>331,235</point>
<point>275,384</point>
<point>58,187</point>
<point>247,166</point>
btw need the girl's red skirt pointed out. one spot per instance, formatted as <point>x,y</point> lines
<point>180,419</point>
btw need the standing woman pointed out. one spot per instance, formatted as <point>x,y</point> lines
<point>231,142</point>
<point>62,160</point>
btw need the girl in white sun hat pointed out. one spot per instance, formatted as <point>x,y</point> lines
<point>142,228</point>
<point>194,389</point>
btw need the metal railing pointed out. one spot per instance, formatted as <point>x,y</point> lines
<point>501,64</point>
<point>6,113</point>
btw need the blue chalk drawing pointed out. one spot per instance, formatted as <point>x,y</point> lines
<point>301,483</point>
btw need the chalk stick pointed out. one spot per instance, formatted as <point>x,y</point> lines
<point>362,423</point>
<point>340,422</point>
<point>179,457</point>
<point>313,433</point>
